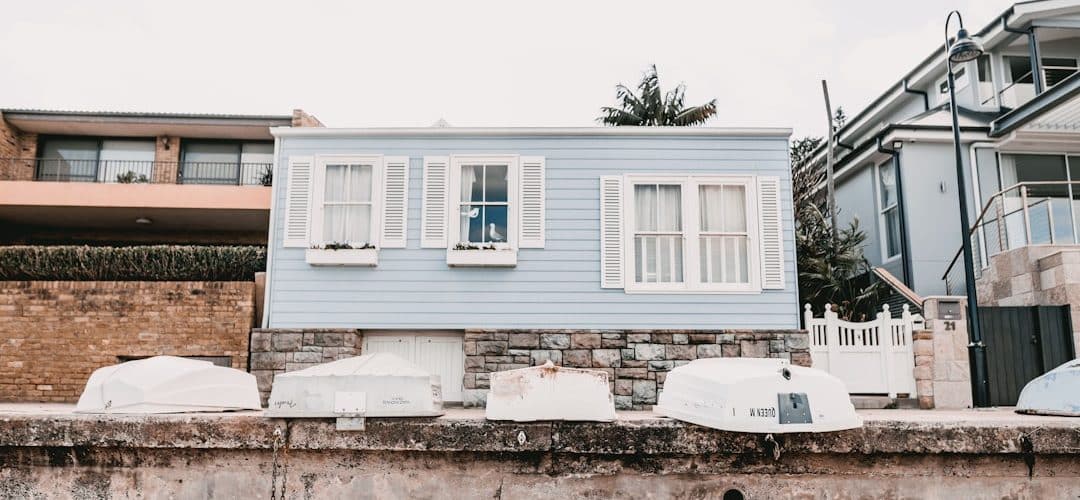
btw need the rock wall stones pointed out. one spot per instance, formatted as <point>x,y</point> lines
<point>279,350</point>
<point>637,361</point>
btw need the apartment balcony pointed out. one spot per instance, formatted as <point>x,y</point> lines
<point>141,171</point>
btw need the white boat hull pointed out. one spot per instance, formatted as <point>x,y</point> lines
<point>1056,392</point>
<point>550,392</point>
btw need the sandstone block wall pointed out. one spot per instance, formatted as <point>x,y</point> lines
<point>637,362</point>
<point>53,334</point>
<point>275,351</point>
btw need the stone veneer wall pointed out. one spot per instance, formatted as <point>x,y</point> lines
<point>1034,275</point>
<point>53,334</point>
<point>637,362</point>
<point>277,350</point>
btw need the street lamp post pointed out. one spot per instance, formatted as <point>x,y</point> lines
<point>963,50</point>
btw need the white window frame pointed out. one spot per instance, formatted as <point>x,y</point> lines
<point>883,224</point>
<point>505,254</point>
<point>691,222</point>
<point>316,255</point>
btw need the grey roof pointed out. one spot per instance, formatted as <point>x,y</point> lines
<point>143,115</point>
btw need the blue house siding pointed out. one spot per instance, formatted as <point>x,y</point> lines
<point>554,287</point>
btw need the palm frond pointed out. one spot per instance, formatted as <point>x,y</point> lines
<point>695,115</point>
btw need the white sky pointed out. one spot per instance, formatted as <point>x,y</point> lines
<point>498,63</point>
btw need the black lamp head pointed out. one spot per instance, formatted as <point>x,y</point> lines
<point>965,49</point>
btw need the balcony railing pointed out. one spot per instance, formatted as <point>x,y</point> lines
<point>1022,89</point>
<point>136,171</point>
<point>1028,213</point>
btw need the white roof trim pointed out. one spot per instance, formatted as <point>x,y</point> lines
<point>533,131</point>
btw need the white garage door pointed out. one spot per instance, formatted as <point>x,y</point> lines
<point>441,354</point>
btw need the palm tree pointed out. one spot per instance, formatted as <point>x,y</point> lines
<point>649,108</point>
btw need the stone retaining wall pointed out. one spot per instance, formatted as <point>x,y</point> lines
<point>53,334</point>
<point>275,351</point>
<point>637,362</point>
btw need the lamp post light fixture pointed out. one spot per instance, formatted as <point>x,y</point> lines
<point>963,50</point>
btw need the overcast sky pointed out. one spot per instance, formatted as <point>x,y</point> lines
<point>498,63</point>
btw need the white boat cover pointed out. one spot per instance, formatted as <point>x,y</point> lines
<point>757,395</point>
<point>1056,392</point>
<point>168,384</point>
<point>550,392</point>
<point>373,385</point>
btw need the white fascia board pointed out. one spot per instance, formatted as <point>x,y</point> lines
<point>908,136</point>
<point>765,132</point>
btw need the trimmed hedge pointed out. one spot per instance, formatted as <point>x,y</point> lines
<point>135,263</point>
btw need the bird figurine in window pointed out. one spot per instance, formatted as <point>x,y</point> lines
<point>493,234</point>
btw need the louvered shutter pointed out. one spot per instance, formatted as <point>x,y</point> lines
<point>433,224</point>
<point>611,232</point>
<point>531,194</point>
<point>772,236</point>
<point>395,205</point>
<point>298,201</point>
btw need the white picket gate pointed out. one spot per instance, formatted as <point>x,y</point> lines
<point>874,357</point>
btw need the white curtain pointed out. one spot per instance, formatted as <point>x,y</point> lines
<point>658,257</point>
<point>724,258</point>
<point>470,214</point>
<point>347,204</point>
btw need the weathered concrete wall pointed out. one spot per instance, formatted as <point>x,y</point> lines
<point>53,334</point>
<point>637,361</point>
<point>1035,275</point>
<point>896,454</point>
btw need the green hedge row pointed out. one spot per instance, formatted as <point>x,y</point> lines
<point>135,263</point>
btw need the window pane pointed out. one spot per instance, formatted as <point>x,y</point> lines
<point>888,185</point>
<point>68,159</point>
<point>359,224</point>
<point>121,157</point>
<point>360,183</point>
<point>347,224</point>
<point>723,208</point>
<point>212,152</point>
<point>725,259</point>
<point>658,259</point>
<point>669,216</point>
<point>496,228</point>
<point>645,207</point>
<point>257,152</point>
<point>335,185</point>
<point>892,232</point>
<point>472,183</point>
<point>495,183</point>
<point>983,64</point>
<point>471,219</point>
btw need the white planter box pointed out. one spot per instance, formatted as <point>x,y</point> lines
<point>343,257</point>
<point>481,258</point>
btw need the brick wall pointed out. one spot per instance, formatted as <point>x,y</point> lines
<point>167,160</point>
<point>301,118</point>
<point>276,351</point>
<point>53,334</point>
<point>637,362</point>
<point>16,144</point>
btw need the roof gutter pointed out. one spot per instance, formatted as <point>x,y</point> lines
<point>924,94</point>
<point>531,131</point>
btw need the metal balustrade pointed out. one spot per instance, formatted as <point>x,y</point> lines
<point>1028,213</point>
<point>137,171</point>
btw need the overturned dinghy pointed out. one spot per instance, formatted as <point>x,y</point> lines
<point>757,395</point>
<point>372,385</point>
<point>1056,392</point>
<point>550,392</point>
<point>168,384</point>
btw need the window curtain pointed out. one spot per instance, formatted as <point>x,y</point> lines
<point>658,257</point>
<point>724,258</point>
<point>472,219</point>
<point>347,204</point>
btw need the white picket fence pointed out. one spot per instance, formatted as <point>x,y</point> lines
<point>874,357</point>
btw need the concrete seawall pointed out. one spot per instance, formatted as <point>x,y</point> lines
<point>49,452</point>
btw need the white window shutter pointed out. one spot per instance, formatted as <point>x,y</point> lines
<point>772,235</point>
<point>531,194</point>
<point>395,206</point>
<point>611,232</point>
<point>298,202</point>
<point>433,221</point>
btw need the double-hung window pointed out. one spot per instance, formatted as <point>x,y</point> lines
<point>347,204</point>
<point>890,211</point>
<point>691,233</point>
<point>484,204</point>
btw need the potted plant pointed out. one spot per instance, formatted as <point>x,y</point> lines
<point>469,254</point>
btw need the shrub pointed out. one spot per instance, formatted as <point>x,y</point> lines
<point>135,263</point>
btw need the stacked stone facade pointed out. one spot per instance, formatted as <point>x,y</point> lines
<point>54,334</point>
<point>637,362</point>
<point>284,350</point>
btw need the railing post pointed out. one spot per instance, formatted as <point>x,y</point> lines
<point>908,332</point>
<point>808,319</point>
<point>1026,215</point>
<point>832,335</point>
<point>884,320</point>
<point>1003,237</point>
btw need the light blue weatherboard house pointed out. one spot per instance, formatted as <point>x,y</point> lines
<point>416,235</point>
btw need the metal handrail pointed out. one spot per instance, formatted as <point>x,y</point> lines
<point>1017,81</point>
<point>999,218</point>
<point>142,171</point>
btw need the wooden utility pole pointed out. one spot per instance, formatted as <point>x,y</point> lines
<point>829,164</point>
